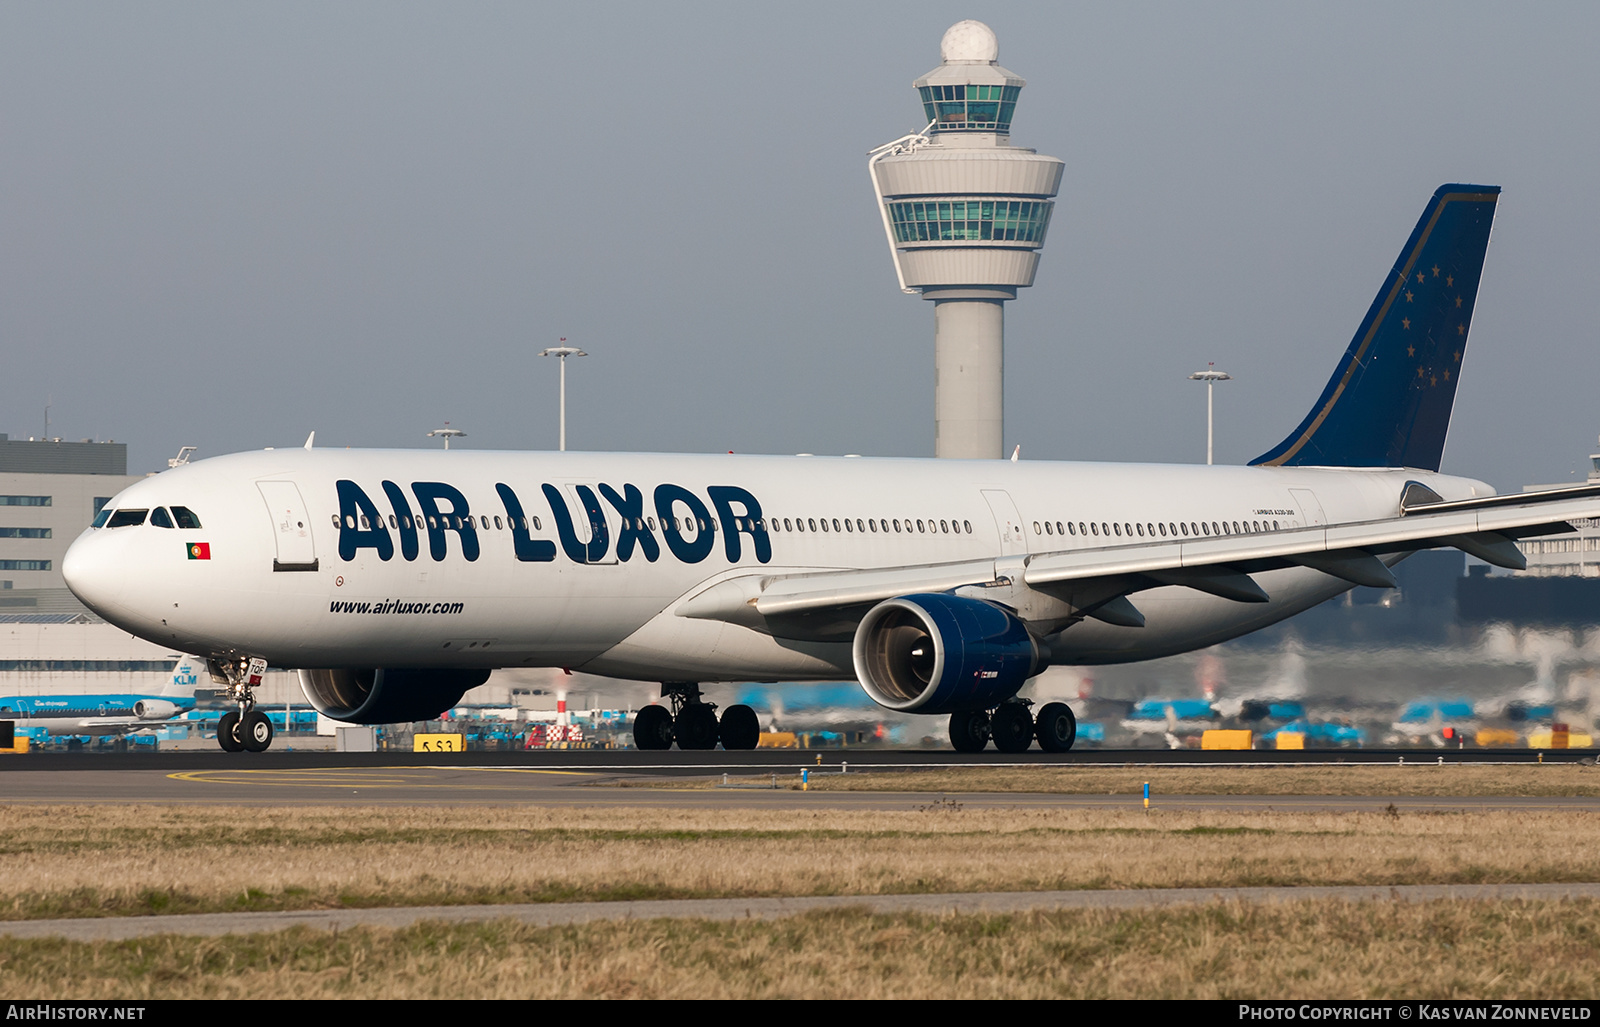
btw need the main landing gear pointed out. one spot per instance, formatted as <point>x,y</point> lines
<point>247,729</point>
<point>693,722</point>
<point>1013,728</point>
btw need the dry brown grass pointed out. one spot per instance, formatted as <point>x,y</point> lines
<point>1303,950</point>
<point>1411,780</point>
<point>115,860</point>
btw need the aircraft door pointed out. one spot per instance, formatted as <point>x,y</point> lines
<point>1310,510</point>
<point>594,523</point>
<point>291,526</point>
<point>1013,539</point>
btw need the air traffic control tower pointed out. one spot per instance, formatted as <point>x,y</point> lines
<point>966,213</point>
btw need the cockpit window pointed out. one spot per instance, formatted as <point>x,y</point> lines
<point>100,519</point>
<point>160,519</point>
<point>126,518</point>
<point>185,517</point>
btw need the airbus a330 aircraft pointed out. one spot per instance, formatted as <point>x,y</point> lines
<point>396,580</point>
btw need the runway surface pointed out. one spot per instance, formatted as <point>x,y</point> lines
<point>674,761</point>
<point>632,787</point>
<point>547,914</point>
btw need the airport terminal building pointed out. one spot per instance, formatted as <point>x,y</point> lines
<point>49,492</point>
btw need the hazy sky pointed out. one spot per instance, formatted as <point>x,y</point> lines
<point>225,225</point>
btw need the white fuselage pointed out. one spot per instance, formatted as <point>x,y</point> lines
<point>268,574</point>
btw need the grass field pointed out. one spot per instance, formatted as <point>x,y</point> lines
<point>1300,950</point>
<point>1413,779</point>
<point>118,860</point>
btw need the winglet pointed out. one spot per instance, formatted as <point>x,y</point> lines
<point>1388,403</point>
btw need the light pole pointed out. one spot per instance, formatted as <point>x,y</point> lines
<point>447,433</point>
<point>1211,376</point>
<point>563,352</point>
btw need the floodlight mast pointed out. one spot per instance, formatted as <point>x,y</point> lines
<point>563,352</point>
<point>1211,376</point>
<point>447,433</point>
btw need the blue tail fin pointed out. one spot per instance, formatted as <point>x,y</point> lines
<point>1388,402</point>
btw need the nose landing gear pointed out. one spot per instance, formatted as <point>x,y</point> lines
<point>247,730</point>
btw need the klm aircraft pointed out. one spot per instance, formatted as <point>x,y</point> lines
<point>108,713</point>
<point>396,580</point>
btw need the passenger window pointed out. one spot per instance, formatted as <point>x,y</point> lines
<point>159,518</point>
<point>1095,529</point>
<point>1036,528</point>
<point>896,522</point>
<point>1070,529</point>
<point>1141,529</point>
<point>185,517</point>
<point>126,518</point>
<point>836,524</point>
<point>335,520</point>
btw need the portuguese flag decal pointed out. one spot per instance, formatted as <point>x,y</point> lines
<point>199,550</point>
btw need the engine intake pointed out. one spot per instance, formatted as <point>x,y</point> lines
<point>155,709</point>
<point>939,653</point>
<point>386,695</point>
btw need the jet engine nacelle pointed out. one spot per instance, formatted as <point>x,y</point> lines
<point>155,709</point>
<point>386,695</point>
<point>939,653</point>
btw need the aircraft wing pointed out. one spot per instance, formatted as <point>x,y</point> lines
<point>1096,582</point>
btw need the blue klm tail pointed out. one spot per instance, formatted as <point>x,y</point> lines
<point>1389,400</point>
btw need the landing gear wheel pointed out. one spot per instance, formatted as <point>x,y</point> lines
<point>255,731</point>
<point>228,733</point>
<point>1012,727</point>
<point>1058,728</point>
<point>969,730</point>
<point>696,727</point>
<point>652,728</point>
<point>740,728</point>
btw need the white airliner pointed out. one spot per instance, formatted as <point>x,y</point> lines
<point>395,580</point>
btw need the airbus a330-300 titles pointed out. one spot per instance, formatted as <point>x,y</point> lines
<point>396,580</point>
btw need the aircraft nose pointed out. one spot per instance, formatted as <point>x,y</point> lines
<point>91,573</point>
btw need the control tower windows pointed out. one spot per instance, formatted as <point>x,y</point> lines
<point>970,108</point>
<point>984,220</point>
